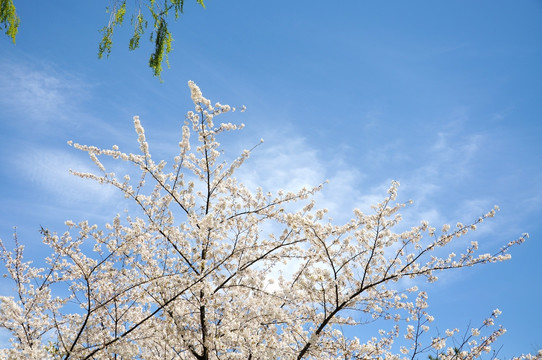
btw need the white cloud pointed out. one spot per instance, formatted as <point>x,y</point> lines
<point>289,165</point>
<point>290,162</point>
<point>449,164</point>
<point>48,169</point>
<point>39,92</point>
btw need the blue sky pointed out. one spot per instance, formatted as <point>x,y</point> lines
<point>441,96</point>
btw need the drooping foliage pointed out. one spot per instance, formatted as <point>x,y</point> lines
<point>158,13</point>
<point>9,20</point>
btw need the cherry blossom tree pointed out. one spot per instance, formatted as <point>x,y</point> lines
<point>210,269</point>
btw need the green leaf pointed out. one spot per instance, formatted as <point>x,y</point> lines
<point>9,19</point>
<point>106,43</point>
<point>119,15</point>
<point>162,47</point>
<point>140,23</point>
<point>116,18</point>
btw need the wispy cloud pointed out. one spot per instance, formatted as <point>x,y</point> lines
<point>40,92</point>
<point>288,164</point>
<point>49,170</point>
<point>291,163</point>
